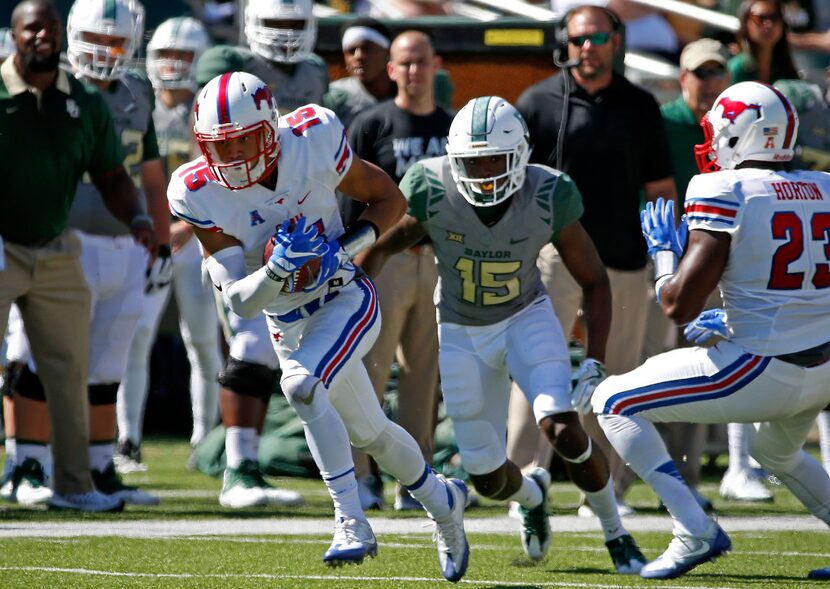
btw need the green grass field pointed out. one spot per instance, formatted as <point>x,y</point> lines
<point>190,541</point>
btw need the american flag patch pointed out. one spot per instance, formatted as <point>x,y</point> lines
<point>770,131</point>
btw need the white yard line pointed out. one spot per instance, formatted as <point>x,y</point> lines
<point>330,578</point>
<point>305,526</point>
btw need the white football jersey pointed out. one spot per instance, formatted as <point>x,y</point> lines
<point>776,285</point>
<point>314,157</point>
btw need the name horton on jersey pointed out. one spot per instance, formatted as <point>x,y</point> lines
<point>797,191</point>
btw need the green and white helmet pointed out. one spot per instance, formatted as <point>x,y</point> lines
<point>283,31</point>
<point>182,33</point>
<point>488,126</point>
<point>117,18</point>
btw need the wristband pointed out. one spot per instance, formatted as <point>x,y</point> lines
<point>359,237</point>
<point>273,275</point>
<point>665,263</point>
<point>142,218</point>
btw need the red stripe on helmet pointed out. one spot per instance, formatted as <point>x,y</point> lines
<point>223,107</point>
<point>788,137</point>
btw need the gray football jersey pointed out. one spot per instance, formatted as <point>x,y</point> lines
<point>173,131</point>
<point>487,274</point>
<point>130,100</point>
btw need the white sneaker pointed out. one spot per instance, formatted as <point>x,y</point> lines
<point>109,483</point>
<point>240,487</point>
<point>91,501</point>
<point>28,484</point>
<point>353,541</point>
<point>536,533</point>
<point>743,486</point>
<point>283,497</point>
<point>127,458</point>
<point>449,536</point>
<point>686,552</point>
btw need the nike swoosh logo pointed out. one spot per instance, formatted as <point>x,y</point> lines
<point>515,241</point>
<point>302,200</point>
<point>703,548</point>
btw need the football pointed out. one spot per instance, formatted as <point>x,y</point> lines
<point>302,277</point>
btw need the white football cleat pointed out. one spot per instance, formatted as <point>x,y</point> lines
<point>449,535</point>
<point>686,552</point>
<point>28,484</point>
<point>109,483</point>
<point>742,485</point>
<point>353,541</point>
<point>241,487</point>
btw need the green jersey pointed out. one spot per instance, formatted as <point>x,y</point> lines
<point>130,99</point>
<point>488,273</point>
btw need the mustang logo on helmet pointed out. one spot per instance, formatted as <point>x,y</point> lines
<point>262,94</point>
<point>732,109</point>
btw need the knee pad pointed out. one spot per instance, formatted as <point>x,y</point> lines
<point>300,388</point>
<point>249,379</point>
<point>482,449</point>
<point>103,394</point>
<point>582,457</point>
<point>27,384</point>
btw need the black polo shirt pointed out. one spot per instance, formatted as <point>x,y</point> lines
<point>613,144</point>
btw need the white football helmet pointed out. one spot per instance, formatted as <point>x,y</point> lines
<point>488,126</point>
<point>181,33</point>
<point>118,18</point>
<point>749,121</point>
<point>270,35</point>
<point>6,43</point>
<point>231,106</point>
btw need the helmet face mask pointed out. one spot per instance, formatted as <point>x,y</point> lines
<point>488,150</point>
<point>173,52</point>
<point>280,30</point>
<point>244,150</point>
<point>749,121</point>
<point>103,36</point>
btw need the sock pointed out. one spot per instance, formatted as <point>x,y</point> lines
<point>132,392</point>
<point>738,446</point>
<point>823,421</point>
<point>241,443</point>
<point>639,444</point>
<point>11,455</point>
<point>342,488</point>
<point>329,444</point>
<point>433,493</point>
<point>100,455</point>
<point>604,505</point>
<point>38,451</point>
<point>529,494</point>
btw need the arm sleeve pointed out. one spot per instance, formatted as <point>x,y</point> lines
<point>414,187</point>
<point>567,205</point>
<point>246,295</point>
<point>107,153</point>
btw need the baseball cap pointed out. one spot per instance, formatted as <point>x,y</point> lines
<point>696,53</point>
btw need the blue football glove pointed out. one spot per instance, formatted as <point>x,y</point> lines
<point>295,247</point>
<point>709,324</point>
<point>657,222</point>
<point>331,261</point>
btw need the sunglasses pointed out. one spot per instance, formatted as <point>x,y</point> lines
<point>771,17</point>
<point>704,74</point>
<point>594,38</point>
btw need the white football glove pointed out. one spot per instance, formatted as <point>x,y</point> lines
<point>587,377</point>
<point>160,273</point>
